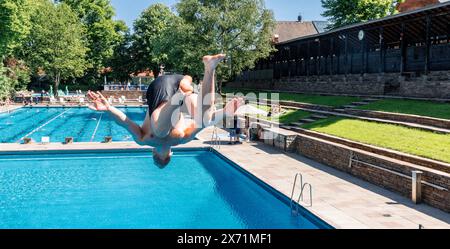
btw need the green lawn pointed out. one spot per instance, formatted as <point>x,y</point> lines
<point>408,140</point>
<point>333,101</point>
<point>415,107</point>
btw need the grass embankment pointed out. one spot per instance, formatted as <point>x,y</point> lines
<point>414,107</point>
<point>412,141</point>
<point>332,101</point>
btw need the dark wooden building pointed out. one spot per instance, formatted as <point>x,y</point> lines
<point>410,44</point>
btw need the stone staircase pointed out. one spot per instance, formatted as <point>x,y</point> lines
<point>311,119</point>
<point>354,105</point>
<point>318,116</point>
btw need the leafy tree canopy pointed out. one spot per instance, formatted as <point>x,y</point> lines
<point>102,34</point>
<point>150,31</point>
<point>345,12</point>
<point>120,65</point>
<point>15,24</point>
<point>240,28</point>
<point>55,45</point>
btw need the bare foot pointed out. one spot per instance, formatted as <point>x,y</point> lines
<point>211,61</point>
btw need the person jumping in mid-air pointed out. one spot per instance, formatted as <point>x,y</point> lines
<point>165,126</point>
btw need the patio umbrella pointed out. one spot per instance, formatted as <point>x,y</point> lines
<point>250,110</point>
<point>50,92</point>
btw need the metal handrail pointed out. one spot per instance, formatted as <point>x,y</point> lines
<point>300,198</point>
<point>293,191</point>
<point>295,208</point>
<point>216,141</point>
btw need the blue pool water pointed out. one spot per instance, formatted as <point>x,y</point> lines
<point>83,124</point>
<point>126,190</point>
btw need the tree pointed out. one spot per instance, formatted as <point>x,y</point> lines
<point>19,73</point>
<point>345,12</point>
<point>55,45</point>
<point>150,38</point>
<point>240,28</point>
<point>181,48</point>
<point>121,63</point>
<point>102,34</point>
<point>6,84</point>
<point>14,24</point>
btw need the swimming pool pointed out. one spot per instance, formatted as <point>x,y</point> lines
<point>83,124</point>
<point>124,189</point>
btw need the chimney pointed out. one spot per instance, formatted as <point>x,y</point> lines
<point>300,18</point>
<point>276,38</point>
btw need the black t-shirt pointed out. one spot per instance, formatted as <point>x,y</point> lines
<point>162,89</point>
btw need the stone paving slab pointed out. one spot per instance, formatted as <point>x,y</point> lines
<point>9,108</point>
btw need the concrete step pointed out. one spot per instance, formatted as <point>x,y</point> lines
<point>340,110</point>
<point>370,100</point>
<point>297,124</point>
<point>350,106</point>
<point>360,103</point>
<point>308,120</point>
<point>317,116</point>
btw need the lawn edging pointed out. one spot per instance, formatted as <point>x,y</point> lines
<point>422,120</point>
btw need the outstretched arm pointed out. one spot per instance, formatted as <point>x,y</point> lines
<point>100,103</point>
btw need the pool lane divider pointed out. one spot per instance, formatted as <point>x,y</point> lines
<point>96,127</point>
<point>42,126</point>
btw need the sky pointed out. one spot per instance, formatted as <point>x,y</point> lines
<point>284,10</point>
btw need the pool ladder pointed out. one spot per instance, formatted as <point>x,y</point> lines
<point>215,138</point>
<point>295,205</point>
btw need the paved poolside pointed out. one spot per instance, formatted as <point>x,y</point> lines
<point>341,200</point>
<point>9,108</point>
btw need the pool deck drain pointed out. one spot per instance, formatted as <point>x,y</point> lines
<point>341,200</point>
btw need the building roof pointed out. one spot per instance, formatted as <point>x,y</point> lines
<point>444,6</point>
<point>409,5</point>
<point>288,30</point>
<point>146,73</point>
<point>321,26</point>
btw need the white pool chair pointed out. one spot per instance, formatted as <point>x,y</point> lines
<point>81,100</point>
<point>52,100</point>
<point>140,99</point>
<point>62,101</point>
